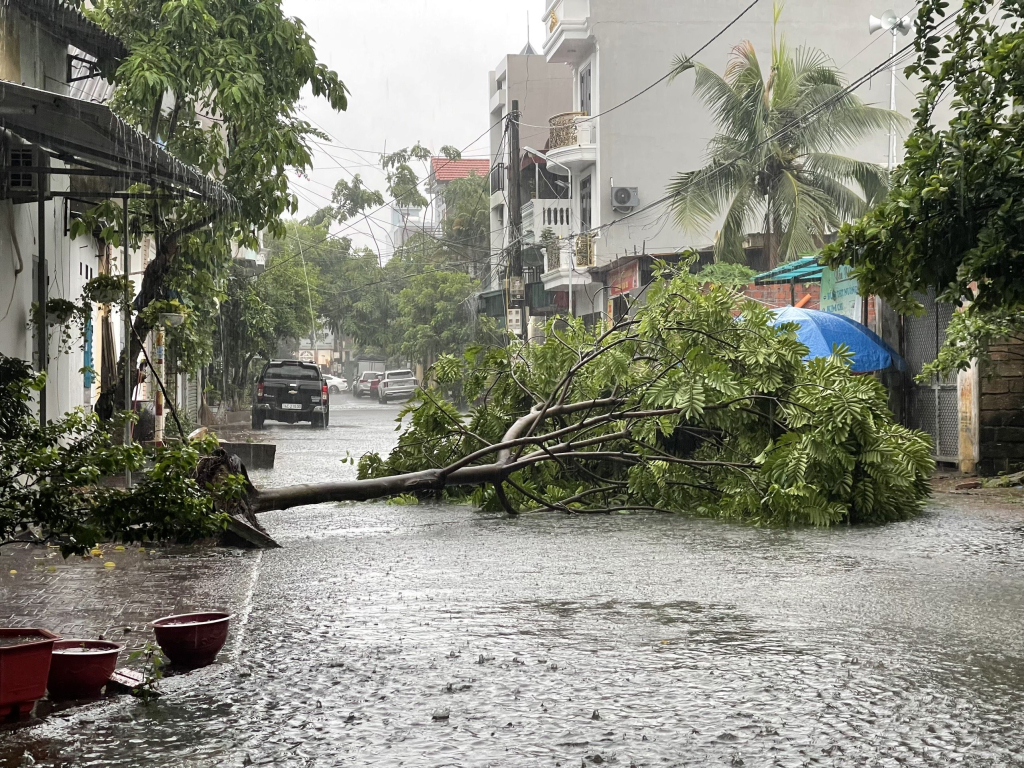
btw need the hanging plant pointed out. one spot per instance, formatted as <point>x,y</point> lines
<point>107,289</point>
<point>64,314</point>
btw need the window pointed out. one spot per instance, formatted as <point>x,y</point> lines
<point>292,372</point>
<point>585,90</point>
<point>21,158</point>
<point>585,209</point>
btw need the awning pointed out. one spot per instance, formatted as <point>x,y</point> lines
<point>90,135</point>
<point>805,270</point>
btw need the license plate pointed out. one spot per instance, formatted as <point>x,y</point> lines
<point>291,406</point>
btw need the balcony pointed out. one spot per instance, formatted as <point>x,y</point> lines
<point>572,141</point>
<point>560,268</point>
<point>539,215</point>
<point>498,101</point>
<point>568,39</point>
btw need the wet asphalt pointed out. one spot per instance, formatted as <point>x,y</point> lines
<point>439,636</point>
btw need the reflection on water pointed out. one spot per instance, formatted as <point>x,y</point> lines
<point>614,640</point>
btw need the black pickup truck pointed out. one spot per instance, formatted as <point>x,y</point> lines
<point>290,391</point>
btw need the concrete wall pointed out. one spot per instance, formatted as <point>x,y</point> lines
<point>646,142</point>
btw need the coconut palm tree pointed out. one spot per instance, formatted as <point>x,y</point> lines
<point>795,189</point>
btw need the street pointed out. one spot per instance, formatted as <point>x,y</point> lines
<point>436,635</point>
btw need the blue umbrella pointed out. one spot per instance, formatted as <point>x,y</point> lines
<point>821,331</point>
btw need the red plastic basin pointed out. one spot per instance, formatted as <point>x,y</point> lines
<point>80,668</point>
<point>23,669</point>
<point>192,639</point>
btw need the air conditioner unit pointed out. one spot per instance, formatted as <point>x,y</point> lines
<point>625,199</point>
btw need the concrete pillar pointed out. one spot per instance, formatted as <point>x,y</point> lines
<point>969,399</point>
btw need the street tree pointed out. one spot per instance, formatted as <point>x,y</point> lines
<point>794,189</point>
<point>684,407</point>
<point>218,82</point>
<point>952,222</point>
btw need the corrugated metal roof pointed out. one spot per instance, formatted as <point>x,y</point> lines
<point>804,270</point>
<point>80,131</point>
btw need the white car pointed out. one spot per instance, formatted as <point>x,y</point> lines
<point>336,384</point>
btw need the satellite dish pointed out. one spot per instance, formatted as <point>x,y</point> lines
<point>533,256</point>
<point>890,22</point>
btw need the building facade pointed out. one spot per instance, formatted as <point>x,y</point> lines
<point>617,136</point>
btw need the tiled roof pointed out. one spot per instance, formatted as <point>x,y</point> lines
<point>446,170</point>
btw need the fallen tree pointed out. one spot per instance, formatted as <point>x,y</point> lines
<point>685,407</point>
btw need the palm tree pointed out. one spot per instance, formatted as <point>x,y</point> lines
<point>794,189</point>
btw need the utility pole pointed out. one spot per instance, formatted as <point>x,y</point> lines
<point>516,295</point>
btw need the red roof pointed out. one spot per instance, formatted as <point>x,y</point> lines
<point>446,170</point>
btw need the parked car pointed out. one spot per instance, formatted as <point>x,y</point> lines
<point>291,391</point>
<point>395,385</point>
<point>366,385</point>
<point>336,384</point>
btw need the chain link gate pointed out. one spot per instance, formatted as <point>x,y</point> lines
<point>933,407</point>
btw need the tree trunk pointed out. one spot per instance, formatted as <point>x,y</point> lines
<point>154,281</point>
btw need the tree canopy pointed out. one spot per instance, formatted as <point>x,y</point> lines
<point>794,189</point>
<point>952,222</point>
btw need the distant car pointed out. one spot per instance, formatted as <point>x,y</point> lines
<point>397,385</point>
<point>336,384</point>
<point>291,391</point>
<point>366,385</point>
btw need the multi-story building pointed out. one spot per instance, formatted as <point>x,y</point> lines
<point>538,89</point>
<point>615,135</point>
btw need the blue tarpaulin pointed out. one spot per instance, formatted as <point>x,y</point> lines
<point>821,331</point>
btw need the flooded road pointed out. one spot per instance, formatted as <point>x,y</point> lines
<point>437,636</point>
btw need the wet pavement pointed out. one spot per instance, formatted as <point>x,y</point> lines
<point>439,636</point>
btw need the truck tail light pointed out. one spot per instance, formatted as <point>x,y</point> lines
<point>323,393</point>
<point>259,389</point>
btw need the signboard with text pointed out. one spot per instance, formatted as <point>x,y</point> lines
<point>624,279</point>
<point>839,293</point>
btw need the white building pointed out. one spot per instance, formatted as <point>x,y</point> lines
<point>61,154</point>
<point>610,139</point>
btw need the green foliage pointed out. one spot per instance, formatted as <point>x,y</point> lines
<point>795,189</point>
<point>402,179</point>
<point>686,408</point>
<point>953,222</point>
<point>63,315</point>
<point>971,335</point>
<point>724,273</point>
<point>52,479</point>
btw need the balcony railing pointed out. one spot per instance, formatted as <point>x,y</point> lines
<point>570,129</point>
<point>498,178</point>
<point>584,250</point>
<point>539,215</point>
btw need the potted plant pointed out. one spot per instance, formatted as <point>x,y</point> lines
<point>106,289</point>
<point>192,640</point>
<point>80,668</point>
<point>63,314</point>
<point>24,667</point>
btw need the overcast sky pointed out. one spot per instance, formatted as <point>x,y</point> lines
<point>417,71</point>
